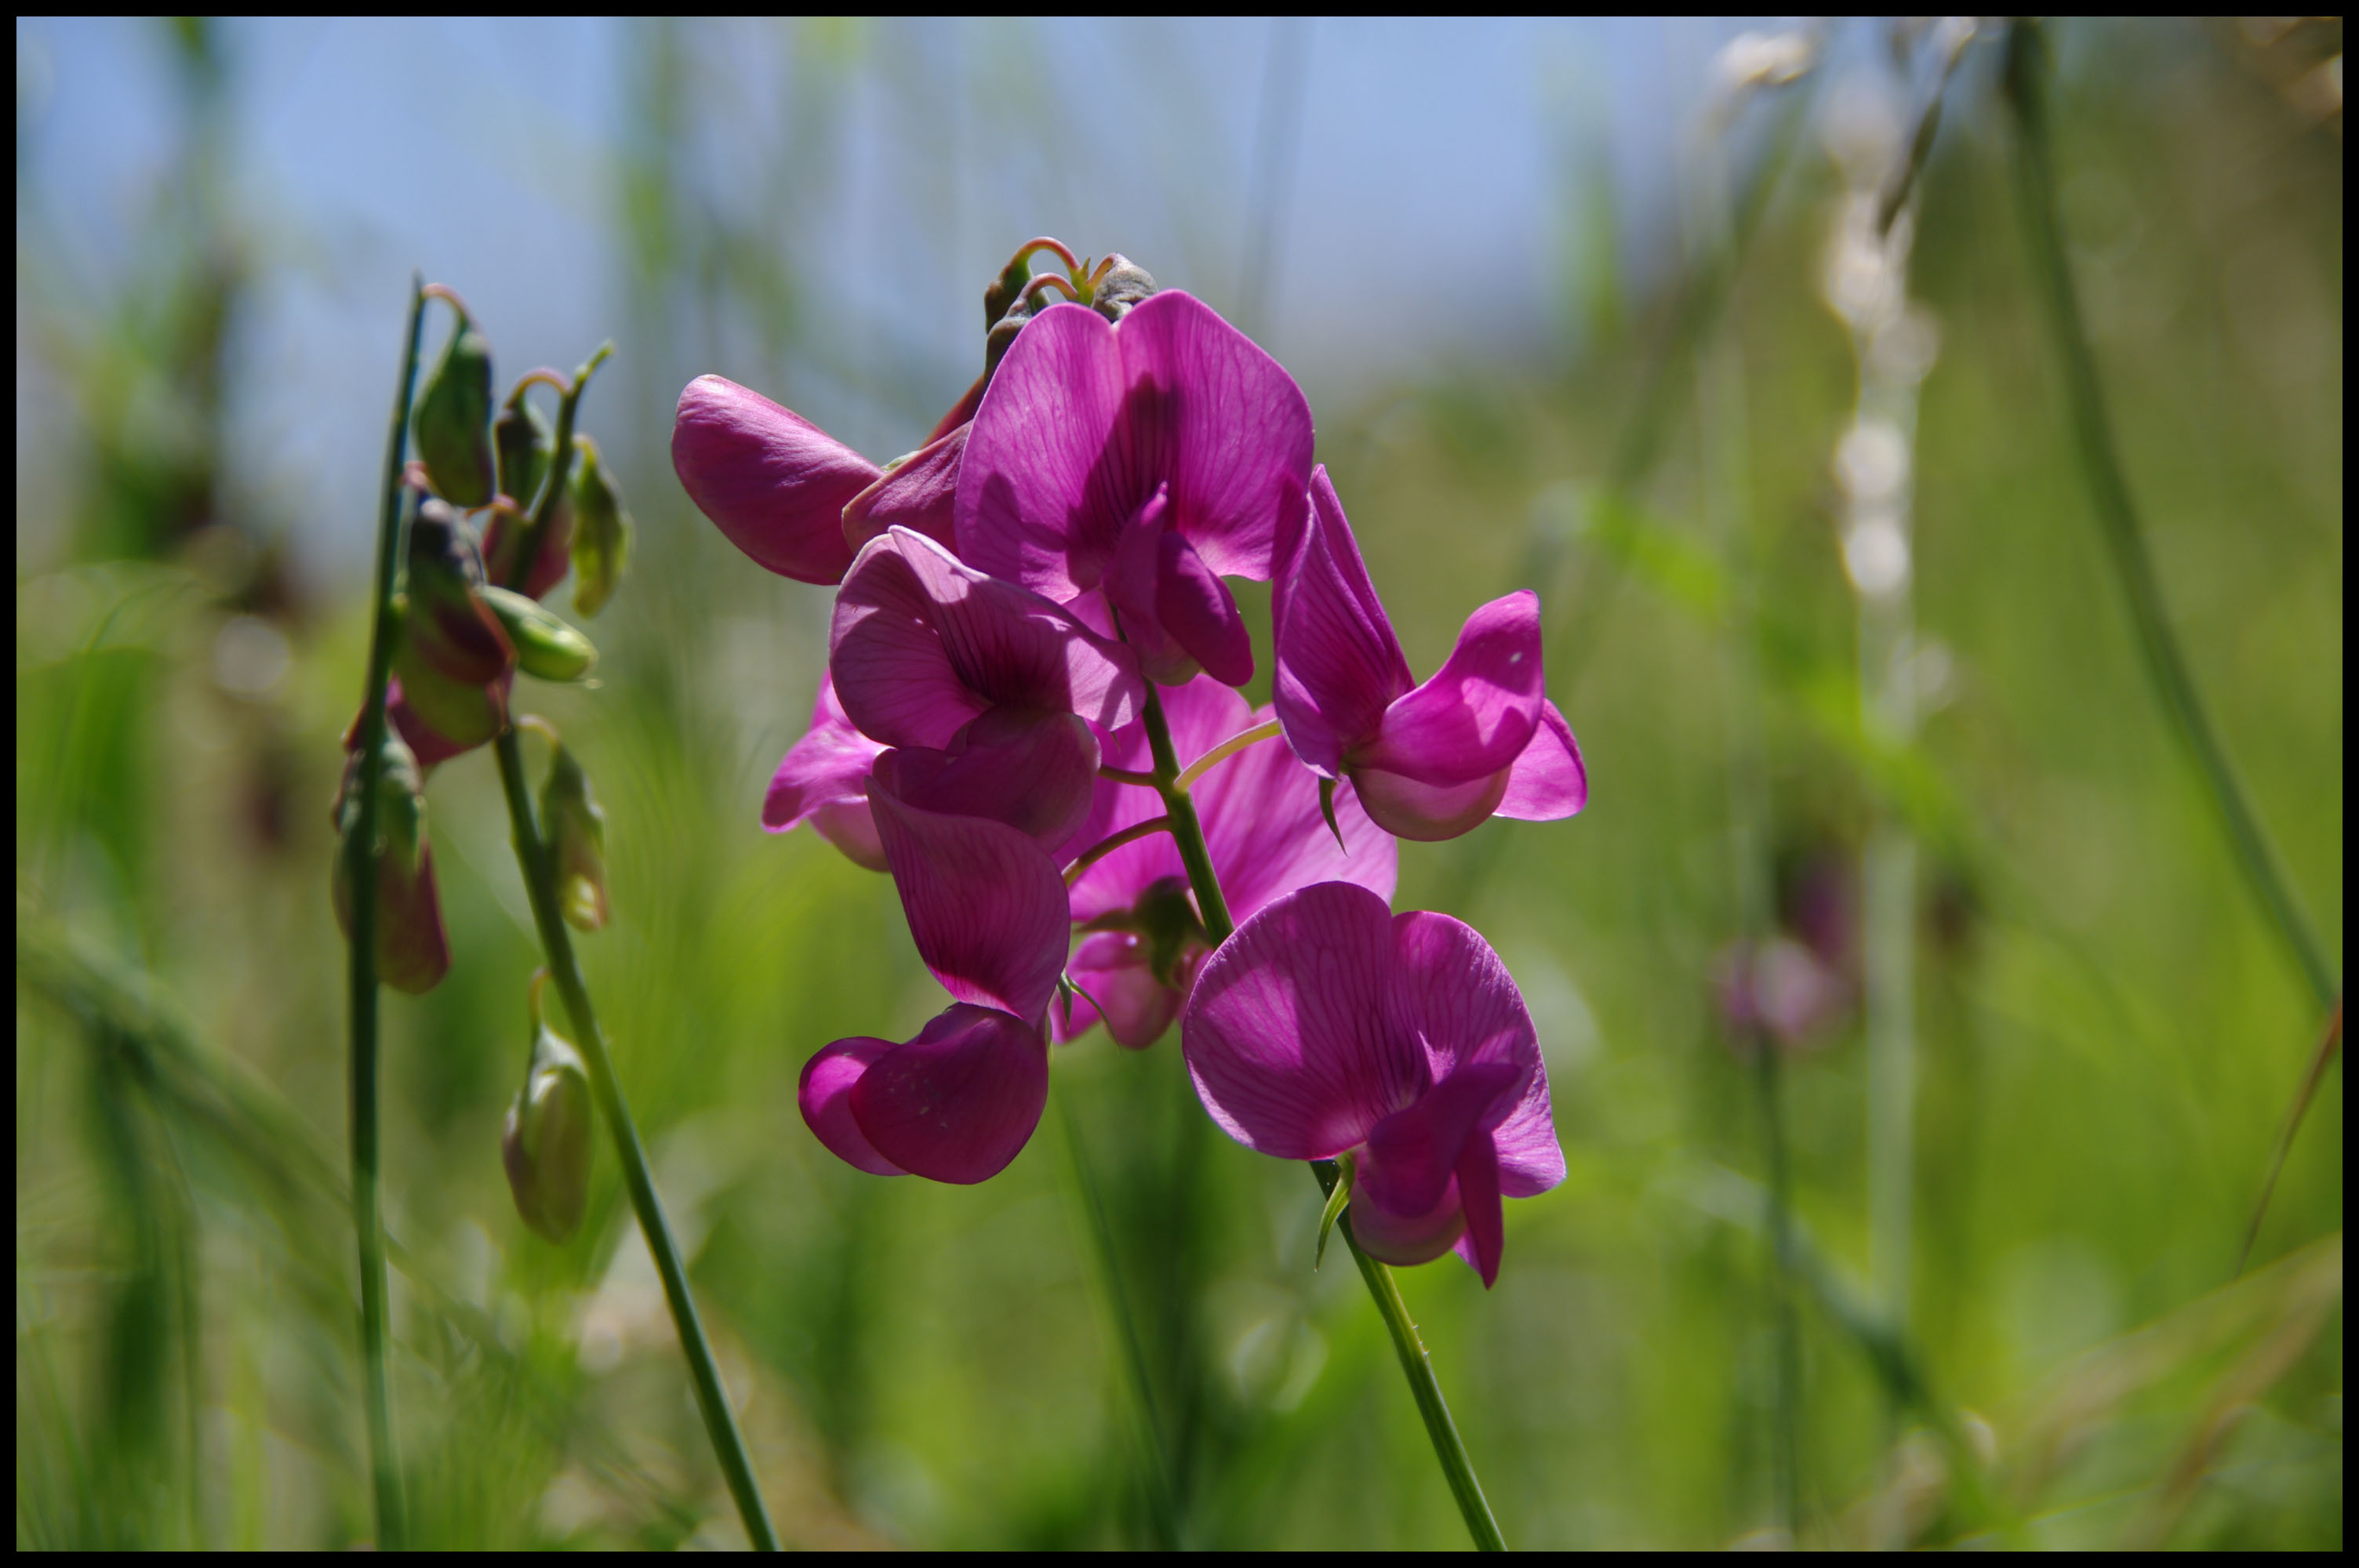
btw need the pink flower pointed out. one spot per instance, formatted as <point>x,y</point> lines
<point>957,1103</point>
<point>1479,739</point>
<point>989,692</point>
<point>1329,1027</point>
<point>823,780</point>
<point>1143,936</point>
<point>1144,461</point>
<point>787,492</point>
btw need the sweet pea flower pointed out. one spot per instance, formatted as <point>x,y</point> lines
<point>1479,739</point>
<point>987,692</point>
<point>1143,460</point>
<point>1143,936</point>
<point>823,780</point>
<point>1329,1027</point>
<point>787,492</point>
<point>987,911</point>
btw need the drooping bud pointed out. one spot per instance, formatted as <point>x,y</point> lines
<point>545,1144</point>
<point>1002,336</point>
<point>601,530</point>
<point>524,443</point>
<point>1124,284</point>
<point>412,952</point>
<point>454,420</point>
<point>453,649</point>
<point>576,830</point>
<point>546,647</point>
<point>504,536</point>
<point>1005,290</point>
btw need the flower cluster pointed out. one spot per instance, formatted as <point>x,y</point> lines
<point>1030,720</point>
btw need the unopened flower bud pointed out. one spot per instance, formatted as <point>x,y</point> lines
<point>601,530</point>
<point>996,342</point>
<point>412,951</point>
<point>576,830</point>
<point>454,420</point>
<point>1005,290</point>
<point>504,536</point>
<point>453,649</point>
<point>1126,283</point>
<point>545,1142</point>
<point>524,443</point>
<point>546,647</point>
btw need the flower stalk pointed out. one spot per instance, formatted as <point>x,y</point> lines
<point>541,880</point>
<point>359,850</point>
<point>1416,1366</point>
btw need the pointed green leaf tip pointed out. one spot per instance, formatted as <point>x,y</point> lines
<point>576,830</point>
<point>1336,1201</point>
<point>454,420</point>
<point>601,530</point>
<point>1327,810</point>
<point>546,647</point>
<point>545,1142</point>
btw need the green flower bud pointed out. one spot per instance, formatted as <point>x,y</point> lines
<point>601,530</point>
<point>413,952</point>
<point>1003,291</point>
<point>546,647</point>
<point>1124,284</point>
<point>576,831</point>
<point>545,1142</point>
<point>524,443</point>
<point>454,420</point>
<point>454,654</point>
<point>995,342</point>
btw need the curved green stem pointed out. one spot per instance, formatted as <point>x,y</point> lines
<point>1448,1449</point>
<point>1224,751</point>
<point>711,1399</point>
<point>359,849</point>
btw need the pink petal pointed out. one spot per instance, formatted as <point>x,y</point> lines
<point>1035,772</point>
<point>1195,609</point>
<point>985,903</point>
<point>961,1100</point>
<point>1262,823</point>
<point>1045,488</point>
<point>1112,967</point>
<point>1549,780</point>
<point>828,765</point>
<point>1407,1239</point>
<point>1339,664</point>
<point>1202,714</point>
<point>429,744</point>
<point>850,826</point>
<point>918,495</point>
<point>1285,1035</point>
<point>921,643</point>
<point>1411,1154</point>
<point>774,482</point>
<point>824,1096</point>
<point>1425,812</point>
<point>1478,1198</point>
<point>1477,714</point>
<point>1219,420</point>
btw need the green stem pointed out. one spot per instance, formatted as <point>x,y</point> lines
<point>557,942</point>
<point>2166,664</point>
<point>1788,1388</point>
<point>359,849</point>
<point>1448,1448</point>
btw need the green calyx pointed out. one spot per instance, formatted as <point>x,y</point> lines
<point>1167,922</point>
<point>454,420</point>
<point>546,647</point>
<point>453,648</point>
<point>575,828</point>
<point>601,530</point>
<point>546,1139</point>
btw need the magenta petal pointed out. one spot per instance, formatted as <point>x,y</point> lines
<point>961,1100</point>
<point>1549,780</point>
<point>918,495</point>
<point>1406,1240</point>
<point>850,826</point>
<point>1287,1052</point>
<point>985,904</point>
<point>774,482</point>
<point>1447,987</point>
<point>1411,1154</point>
<point>1262,823</point>
<point>825,1099</point>
<point>1231,432</point>
<point>1035,772</point>
<point>1044,487</point>
<point>1202,714</point>
<point>1111,966</point>
<point>921,643</point>
<point>1478,1199</point>
<point>1477,714</point>
<point>428,744</point>
<point>1339,664</point>
<point>1195,607</point>
<point>1424,812</point>
<point>828,764</point>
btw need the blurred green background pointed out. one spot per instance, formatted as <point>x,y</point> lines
<point>1561,298</point>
